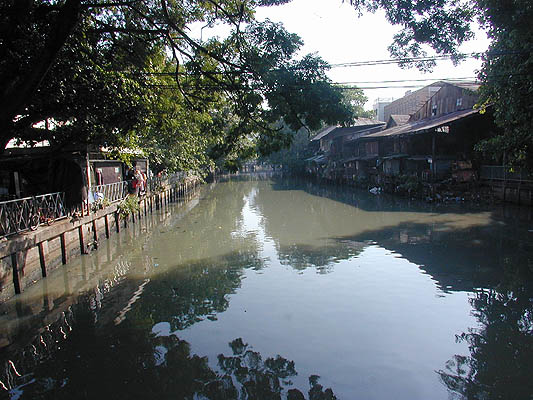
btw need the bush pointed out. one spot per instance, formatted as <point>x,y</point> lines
<point>407,184</point>
<point>128,206</point>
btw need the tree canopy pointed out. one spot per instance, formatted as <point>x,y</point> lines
<point>129,73</point>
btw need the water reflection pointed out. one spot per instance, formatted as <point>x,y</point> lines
<point>301,257</point>
<point>462,247</point>
<point>186,295</point>
<point>131,361</point>
<point>366,291</point>
<point>500,362</point>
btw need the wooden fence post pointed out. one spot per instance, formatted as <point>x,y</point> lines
<point>42,258</point>
<point>82,240</point>
<point>95,231</point>
<point>64,257</point>
<point>16,276</point>
<point>106,219</point>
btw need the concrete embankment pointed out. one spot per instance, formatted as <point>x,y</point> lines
<point>28,257</point>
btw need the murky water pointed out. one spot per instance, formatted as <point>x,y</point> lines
<point>273,289</point>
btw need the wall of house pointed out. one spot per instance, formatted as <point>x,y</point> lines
<point>411,102</point>
<point>448,99</point>
<point>372,148</point>
<point>379,109</point>
<point>419,144</point>
<point>30,175</point>
<point>391,167</point>
<point>325,145</point>
<point>388,146</point>
<point>105,172</point>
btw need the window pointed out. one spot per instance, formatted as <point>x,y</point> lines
<point>433,110</point>
<point>459,102</point>
<point>396,149</point>
<point>372,148</point>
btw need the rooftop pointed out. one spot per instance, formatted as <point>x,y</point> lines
<point>357,126</point>
<point>423,125</point>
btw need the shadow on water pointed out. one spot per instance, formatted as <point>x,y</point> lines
<point>461,252</point>
<point>494,262</point>
<point>496,266</point>
<point>122,365</point>
<point>364,200</point>
<point>191,293</point>
<point>86,354</point>
<point>458,259</point>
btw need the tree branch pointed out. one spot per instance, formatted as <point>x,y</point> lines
<point>17,93</point>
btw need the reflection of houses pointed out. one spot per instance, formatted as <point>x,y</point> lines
<point>433,140</point>
<point>457,260</point>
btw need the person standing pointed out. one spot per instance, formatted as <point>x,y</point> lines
<point>131,179</point>
<point>141,182</point>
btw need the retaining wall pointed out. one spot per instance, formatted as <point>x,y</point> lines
<point>28,257</point>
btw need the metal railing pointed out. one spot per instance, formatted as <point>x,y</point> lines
<point>504,173</point>
<point>156,182</point>
<point>176,178</point>
<point>110,192</point>
<point>23,214</point>
<point>28,213</point>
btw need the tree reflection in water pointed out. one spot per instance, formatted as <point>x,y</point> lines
<point>266,379</point>
<point>188,294</point>
<point>301,256</point>
<point>127,362</point>
<point>501,351</point>
<point>96,357</point>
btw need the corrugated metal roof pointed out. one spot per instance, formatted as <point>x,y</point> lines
<point>355,132</point>
<point>347,160</point>
<point>423,125</point>
<point>470,85</point>
<point>358,125</point>
<point>395,156</point>
<point>359,158</point>
<point>366,121</point>
<point>319,159</point>
<point>364,132</point>
<point>323,132</point>
<point>400,119</point>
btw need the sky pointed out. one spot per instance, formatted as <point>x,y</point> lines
<point>334,31</point>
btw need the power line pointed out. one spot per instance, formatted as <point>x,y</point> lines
<point>467,79</point>
<point>301,86</point>
<point>346,64</point>
<point>439,57</point>
<point>461,79</point>
<point>389,61</point>
<point>380,87</point>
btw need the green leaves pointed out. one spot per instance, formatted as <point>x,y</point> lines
<point>507,75</point>
<point>130,75</point>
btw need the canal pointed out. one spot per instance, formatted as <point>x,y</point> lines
<point>278,288</point>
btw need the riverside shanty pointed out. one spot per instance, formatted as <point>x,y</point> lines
<point>424,148</point>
